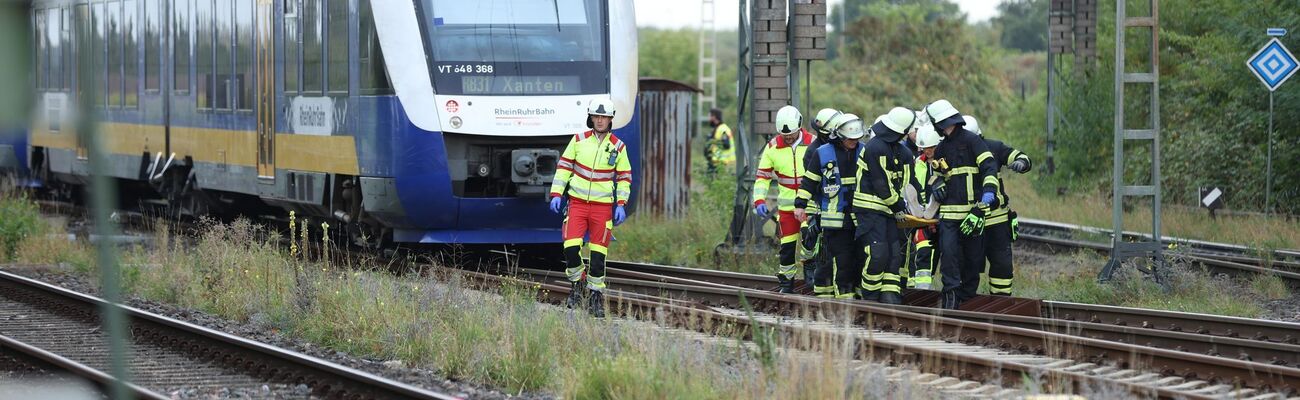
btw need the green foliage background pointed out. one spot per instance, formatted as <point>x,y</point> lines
<point>909,52</point>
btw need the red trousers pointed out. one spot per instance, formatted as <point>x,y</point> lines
<point>593,220</point>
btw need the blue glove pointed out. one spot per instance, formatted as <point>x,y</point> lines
<point>761,210</point>
<point>619,215</point>
<point>988,198</point>
<point>555,204</point>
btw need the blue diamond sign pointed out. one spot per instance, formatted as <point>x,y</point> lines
<point>1273,64</point>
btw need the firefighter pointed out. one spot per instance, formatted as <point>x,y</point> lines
<point>782,160</point>
<point>1001,223</point>
<point>830,178</point>
<point>923,240</point>
<point>717,149</point>
<point>595,173</point>
<point>816,259</point>
<point>884,167</point>
<point>966,193</point>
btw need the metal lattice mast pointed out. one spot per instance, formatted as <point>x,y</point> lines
<point>707,67</point>
<point>1151,247</point>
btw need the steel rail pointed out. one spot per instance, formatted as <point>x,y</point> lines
<point>101,379</point>
<point>330,379</point>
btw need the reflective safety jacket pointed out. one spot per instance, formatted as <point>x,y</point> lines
<point>594,169</point>
<point>782,162</point>
<point>1004,155</point>
<point>830,184</point>
<point>965,164</point>
<point>719,145</point>
<point>883,169</point>
<point>812,208</point>
<point>922,177</point>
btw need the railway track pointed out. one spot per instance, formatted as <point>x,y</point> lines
<point>59,329</point>
<point>1220,257</point>
<point>1201,338</point>
<point>945,345</point>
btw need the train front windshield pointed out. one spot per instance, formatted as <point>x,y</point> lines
<point>517,47</point>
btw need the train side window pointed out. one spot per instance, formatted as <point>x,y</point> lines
<point>203,52</point>
<point>225,55</point>
<point>374,76</point>
<point>244,73</point>
<point>99,54</point>
<point>131,63</point>
<point>113,12</point>
<point>152,45</point>
<point>54,48</point>
<point>38,19</point>
<point>292,46</point>
<point>85,36</point>
<point>313,66</point>
<point>69,66</point>
<point>181,45</point>
<point>338,47</point>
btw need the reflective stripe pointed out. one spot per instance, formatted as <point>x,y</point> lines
<point>991,180</point>
<point>1013,156</point>
<point>803,194</point>
<point>591,195</point>
<point>786,270</point>
<point>573,242</point>
<point>844,296</point>
<point>953,216</point>
<point>766,174</point>
<point>983,156</point>
<point>964,170</point>
<point>812,175</point>
<point>595,248</point>
<point>832,220</point>
<point>871,205</point>
<point>596,283</point>
<point>956,207</point>
<point>1000,281</point>
<point>849,180</point>
<point>575,274</point>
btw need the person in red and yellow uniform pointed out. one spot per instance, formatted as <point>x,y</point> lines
<point>595,172</point>
<point>782,160</point>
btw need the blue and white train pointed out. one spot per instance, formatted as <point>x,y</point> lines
<point>416,121</point>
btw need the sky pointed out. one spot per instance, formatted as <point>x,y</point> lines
<point>686,13</point>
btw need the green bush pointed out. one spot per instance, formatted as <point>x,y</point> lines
<point>19,219</point>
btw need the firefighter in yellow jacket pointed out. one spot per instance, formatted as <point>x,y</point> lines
<point>718,150</point>
<point>782,160</point>
<point>595,172</point>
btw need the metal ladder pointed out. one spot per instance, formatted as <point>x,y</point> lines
<point>1149,247</point>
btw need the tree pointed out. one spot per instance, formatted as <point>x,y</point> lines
<point>1024,24</point>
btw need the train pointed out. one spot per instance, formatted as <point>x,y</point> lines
<point>416,121</point>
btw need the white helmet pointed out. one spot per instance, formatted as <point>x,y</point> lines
<point>972,125</point>
<point>894,125</point>
<point>849,126</point>
<point>926,137</point>
<point>822,122</point>
<point>599,106</point>
<point>788,120</point>
<point>922,118</point>
<point>941,114</point>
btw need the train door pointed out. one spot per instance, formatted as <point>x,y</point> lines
<point>265,89</point>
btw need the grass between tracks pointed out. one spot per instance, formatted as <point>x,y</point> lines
<point>427,319</point>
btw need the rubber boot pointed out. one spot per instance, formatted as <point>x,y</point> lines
<point>949,300</point>
<point>786,284</point>
<point>868,295</point>
<point>576,291</point>
<point>890,298</point>
<point>596,304</point>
